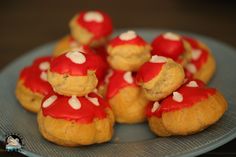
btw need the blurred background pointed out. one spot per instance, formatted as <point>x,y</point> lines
<point>26,24</point>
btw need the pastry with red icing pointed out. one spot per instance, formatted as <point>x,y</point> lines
<point>202,64</point>
<point>99,59</point>
<point>159,77</point>
<point>74,121</point>
<point>125,97</point>
<point>32,84</point>
<point>91,28</point>
<point>190,109</point>
<point>128,51</point>
<point>173,46</point>
<point>65,44</point>
<point>74,73</point>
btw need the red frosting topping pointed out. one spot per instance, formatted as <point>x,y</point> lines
<point>202,59</point>
<point>116,82</point>
<point>102,63</point>
<point>61,109</point>
<point>98,29</point>
<point>63,65</point>
<point>168,48</point>
<point>148,71</point>
<point>31,79</point>
<point>191,96</point>
<point>40,60</point>
<point>135,41</point>
<point>193,42</point>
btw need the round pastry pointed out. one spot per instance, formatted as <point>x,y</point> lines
<point>202,64</point>
<point>91,28</point>
<point>32,84</point>
<point>128,52</point>
<point>65,44</point>
<point>190,109</point>
<point>99,59</point>
<point>74,121</point>
<point>160,77</point>
<point>125,97</point>
<point>73,73</point>
<point>173,46</point>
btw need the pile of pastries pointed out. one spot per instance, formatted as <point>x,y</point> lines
<point>92,81</point>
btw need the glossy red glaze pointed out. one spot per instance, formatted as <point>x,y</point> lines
<point>64,65</point>
<point>136,41</point>
<point>30,76</point>
<point>99,30</point>
<point>202,58</point>
<point>40,60</point>
<point>148,71</point>
<point>60,109</point>
<point>117,82</point>
<point>193,42</point>
<point>168,48</point>
<point>102,63</point>
<point>191,96</point>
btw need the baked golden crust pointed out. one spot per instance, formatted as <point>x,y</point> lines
<point>71,133</point>
<point>29,100</point>
<point>128,57</point>
<point>129,105</point>
<point>83,36</point>
<point>190,120</point>
<point>63,46</point>
<point>168,80</point>
<point>73,85</point>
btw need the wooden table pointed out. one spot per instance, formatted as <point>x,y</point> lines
<point>26,24</point>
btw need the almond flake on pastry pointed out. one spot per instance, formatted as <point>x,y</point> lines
<point>49,101</point>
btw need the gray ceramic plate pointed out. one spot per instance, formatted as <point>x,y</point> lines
<point>128,140</point>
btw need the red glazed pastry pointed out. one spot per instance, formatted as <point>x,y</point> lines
<point>173,46</point>
<point>32,84</point>
<point>74,73</point>
<point>190,109</point>
<point>202,64</point>
<point>159,77</point>
<point>125,97</point>
<point>85,120</point>
<point>128,51</point>
<point>91,28</point>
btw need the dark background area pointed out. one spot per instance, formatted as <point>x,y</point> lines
<point>26,24</point>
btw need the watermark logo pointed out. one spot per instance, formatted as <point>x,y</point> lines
<point>13,142</point>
